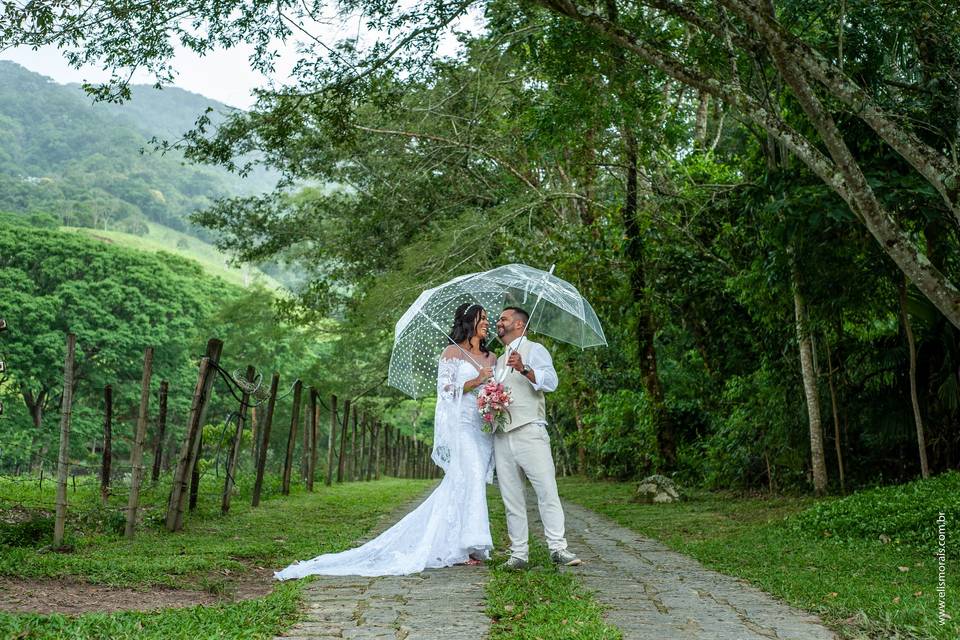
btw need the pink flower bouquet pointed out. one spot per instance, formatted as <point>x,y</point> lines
<point>492,402</point>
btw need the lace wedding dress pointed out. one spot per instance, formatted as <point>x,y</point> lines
<point>452,522</point>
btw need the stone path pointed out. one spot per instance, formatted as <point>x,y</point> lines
<point>438,604</point>
<point>657,594</point>
<point>652,594</point>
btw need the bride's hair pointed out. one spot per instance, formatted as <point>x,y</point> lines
<point>465,324</point>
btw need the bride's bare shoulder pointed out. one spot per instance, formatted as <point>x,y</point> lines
<point>452,351</point>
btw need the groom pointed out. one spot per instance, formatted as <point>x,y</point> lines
<point>522,446</point>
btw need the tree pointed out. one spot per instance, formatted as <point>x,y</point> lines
<point>732,50</point>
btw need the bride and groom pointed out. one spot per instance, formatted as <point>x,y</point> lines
<point>451,526</point>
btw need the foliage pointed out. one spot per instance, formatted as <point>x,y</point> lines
<point>623,439</point>
<point>904,514</point>
<point>665,156</point>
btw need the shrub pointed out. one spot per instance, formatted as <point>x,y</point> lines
<point>36,531</point>
<point>905,513</point>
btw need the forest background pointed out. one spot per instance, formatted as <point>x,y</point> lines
<point>770,246</point>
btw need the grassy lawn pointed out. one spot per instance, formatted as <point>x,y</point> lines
<point>542,602</point>
<point>829,561</point>
<point>210,547</point>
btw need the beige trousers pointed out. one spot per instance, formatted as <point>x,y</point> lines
<point>525,451</point>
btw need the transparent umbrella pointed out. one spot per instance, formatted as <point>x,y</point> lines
<point>555,306</point>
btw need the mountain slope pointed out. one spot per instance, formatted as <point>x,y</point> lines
<point>87,165</point>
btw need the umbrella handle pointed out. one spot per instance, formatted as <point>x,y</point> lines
<point>509,351</point>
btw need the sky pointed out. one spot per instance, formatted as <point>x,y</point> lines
<point>224,75</point>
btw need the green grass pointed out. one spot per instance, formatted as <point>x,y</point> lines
<point>161,238</point>
<point>541,602</point>
<point>261,618</point>
<point>858,585</point>
<point>281,530</point>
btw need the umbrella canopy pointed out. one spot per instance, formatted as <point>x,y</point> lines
<point>555,306</point>
<point>556,309</point>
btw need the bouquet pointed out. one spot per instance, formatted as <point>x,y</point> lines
<point>492,402</point>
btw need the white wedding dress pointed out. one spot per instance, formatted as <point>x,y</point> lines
<point>452,522</point>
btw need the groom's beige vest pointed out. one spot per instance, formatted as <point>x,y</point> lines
<point>528,405</point>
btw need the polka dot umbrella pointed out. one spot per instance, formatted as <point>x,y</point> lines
<point>555,307</point>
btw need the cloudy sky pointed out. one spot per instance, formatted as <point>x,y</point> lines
<point>225,76</point>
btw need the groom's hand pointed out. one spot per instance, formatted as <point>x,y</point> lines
<point>515,361</point>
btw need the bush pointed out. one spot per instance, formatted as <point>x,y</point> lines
<point>622,434</point>
<point>36,531</point>
<point>905,513</point>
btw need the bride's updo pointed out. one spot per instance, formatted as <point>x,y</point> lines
<point>465,325</point>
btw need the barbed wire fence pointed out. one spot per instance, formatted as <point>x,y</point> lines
<point>360,447</point>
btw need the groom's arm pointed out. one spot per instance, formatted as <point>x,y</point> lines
<point>542,376</point>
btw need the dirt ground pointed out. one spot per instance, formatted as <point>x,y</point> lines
<point>71,597</point>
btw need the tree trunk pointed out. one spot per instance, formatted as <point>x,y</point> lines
<point>836,417</point>
<point>234,456</point>
<point>161,431</point>
<point>107,462</point>
<point>840,171</point>
<point>331,439</point>
<point>918,421</point>
<point>810,388</point>
<point>343,439</point>
<point>136,453</point>
<point>63,459</point>
<point>646,324</point>
<point>291,438</point>
<point>265,439</point>
<point>312,454</point>
<point>581,439</point>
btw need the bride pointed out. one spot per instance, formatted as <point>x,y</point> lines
<point>451,526</point>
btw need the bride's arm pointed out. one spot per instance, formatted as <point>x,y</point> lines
<point>482,377</point>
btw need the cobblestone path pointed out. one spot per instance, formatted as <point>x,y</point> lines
<point>438,604</point>
<point>657,594</point>
<point>652,594</point>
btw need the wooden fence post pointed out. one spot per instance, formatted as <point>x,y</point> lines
<point>254,437</point>
<point>161,430</point>
<point>63,460</point>
<point>195,473</point>
<point>234,456</point>
<point>265,439</point>
<point>396,453</point>
<point>191,443</point>
<point>305,449</point>
<point>343,438</point>
<point>368,468</point>
<point>107,444</point>
<point>331,437</point>
<point>388,452</point>
<point>353,447</point>
<point>361,453</point>
<point>312,455</point>
<point>292,438</point>
<point>377,447</point>
<point>136,454</point>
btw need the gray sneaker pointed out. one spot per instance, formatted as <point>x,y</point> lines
<point>515,564</point>
<point>564,557</point>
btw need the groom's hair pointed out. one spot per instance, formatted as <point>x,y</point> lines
<point>520,312</point>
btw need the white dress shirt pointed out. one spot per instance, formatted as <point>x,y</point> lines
<point>542,364</point>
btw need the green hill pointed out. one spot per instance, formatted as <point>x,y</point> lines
<point>160,238</point>
<point>91,165</point>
